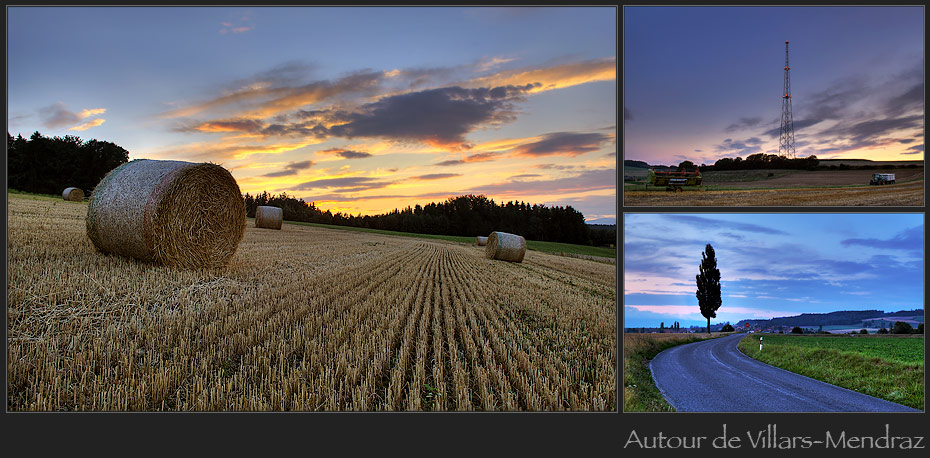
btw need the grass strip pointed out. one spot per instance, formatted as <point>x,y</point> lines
<point>856,367</point>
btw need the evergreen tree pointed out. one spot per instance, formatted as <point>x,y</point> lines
<point>708,285</point>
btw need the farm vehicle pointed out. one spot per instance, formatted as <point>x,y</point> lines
<point>882,178</point>
<point>673,178</point>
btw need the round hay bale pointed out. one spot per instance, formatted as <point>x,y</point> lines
<point>73,194</point>
<point>505,247</point>
<point>269,217</point>
<point>481,241</point>
<point>170,212</point>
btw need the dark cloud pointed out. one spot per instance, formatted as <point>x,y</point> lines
<point>916,149</point>
<point>440,117</point>
<point>555,167</point>
<point>589,180</point>
<point>563,144</point>
<point>909,239</point>
<point>421,77</point>
<point>797,125</point>
<point>906,140</point>
<point>232,125</point>
<point>740,147</point>
<point>867,133</point>
<point>344,184</point>
<point>284,74</point>
<point>347,154</point>
<point>525,175</point>
<point>743,123</point>
<point>480,157</point>
<point>436,176</point>
<point>290,169</point>
<point>910,100</point>
<point>57,115</point>
<point>706,223</point>
<point>627,116</point>
<point>832,102</point>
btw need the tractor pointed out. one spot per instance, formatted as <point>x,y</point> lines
<point>882,178</point>
<point>673,178</point>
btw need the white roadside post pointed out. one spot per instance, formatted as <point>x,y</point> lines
<point>760,343</point>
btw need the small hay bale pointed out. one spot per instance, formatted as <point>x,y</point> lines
<point>170,212</point>
<point>505,247</point>
<point>481,241</point>
<point>73,194</point>
<point>269,217</point>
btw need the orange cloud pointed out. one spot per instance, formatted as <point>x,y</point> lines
<point>91,112</point>
<point>88,124</point>
<point>556,77</point>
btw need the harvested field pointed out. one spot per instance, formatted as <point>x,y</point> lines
<point>803,178</point>
<point>902,194</point>
<point>302,319</point>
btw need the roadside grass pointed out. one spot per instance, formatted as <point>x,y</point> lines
<point>547,247</point>
<point>890,368</point>
<point>640,393</point>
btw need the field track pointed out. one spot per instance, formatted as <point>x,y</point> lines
<point>304,318</point>
<point>902,194</point>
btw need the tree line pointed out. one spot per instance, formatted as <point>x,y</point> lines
<point>467,215</point>
<point>46,165</point>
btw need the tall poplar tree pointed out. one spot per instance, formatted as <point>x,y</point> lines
<point>708,285</point>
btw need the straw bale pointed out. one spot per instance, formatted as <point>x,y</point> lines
<point>169,212</point>
<point>481,241</point>
<point>73,194</point>
<point>269,217</point>
<point>505,247</point>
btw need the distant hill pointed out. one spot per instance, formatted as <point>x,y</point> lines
<point>843,317</point>
<point>640,164</point>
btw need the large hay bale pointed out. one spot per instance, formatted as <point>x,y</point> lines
<point>269,217</point>
<point>505,247</point>
<point>73,194</point>
<point>169,212</point>
<point>481,241</point>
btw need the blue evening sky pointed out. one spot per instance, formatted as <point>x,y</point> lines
<point>771,264</point>
<point>701,83</point>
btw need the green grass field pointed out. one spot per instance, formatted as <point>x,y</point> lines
<point>887,367</point>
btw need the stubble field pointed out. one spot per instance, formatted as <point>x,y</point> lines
<point>305,318</point>
<point>902,194</point>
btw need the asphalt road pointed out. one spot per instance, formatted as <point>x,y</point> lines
<point>714,376</point>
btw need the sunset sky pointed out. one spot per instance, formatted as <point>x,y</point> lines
<point>701,83</point>
<point>771,264</point>
<point>361,110</point>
